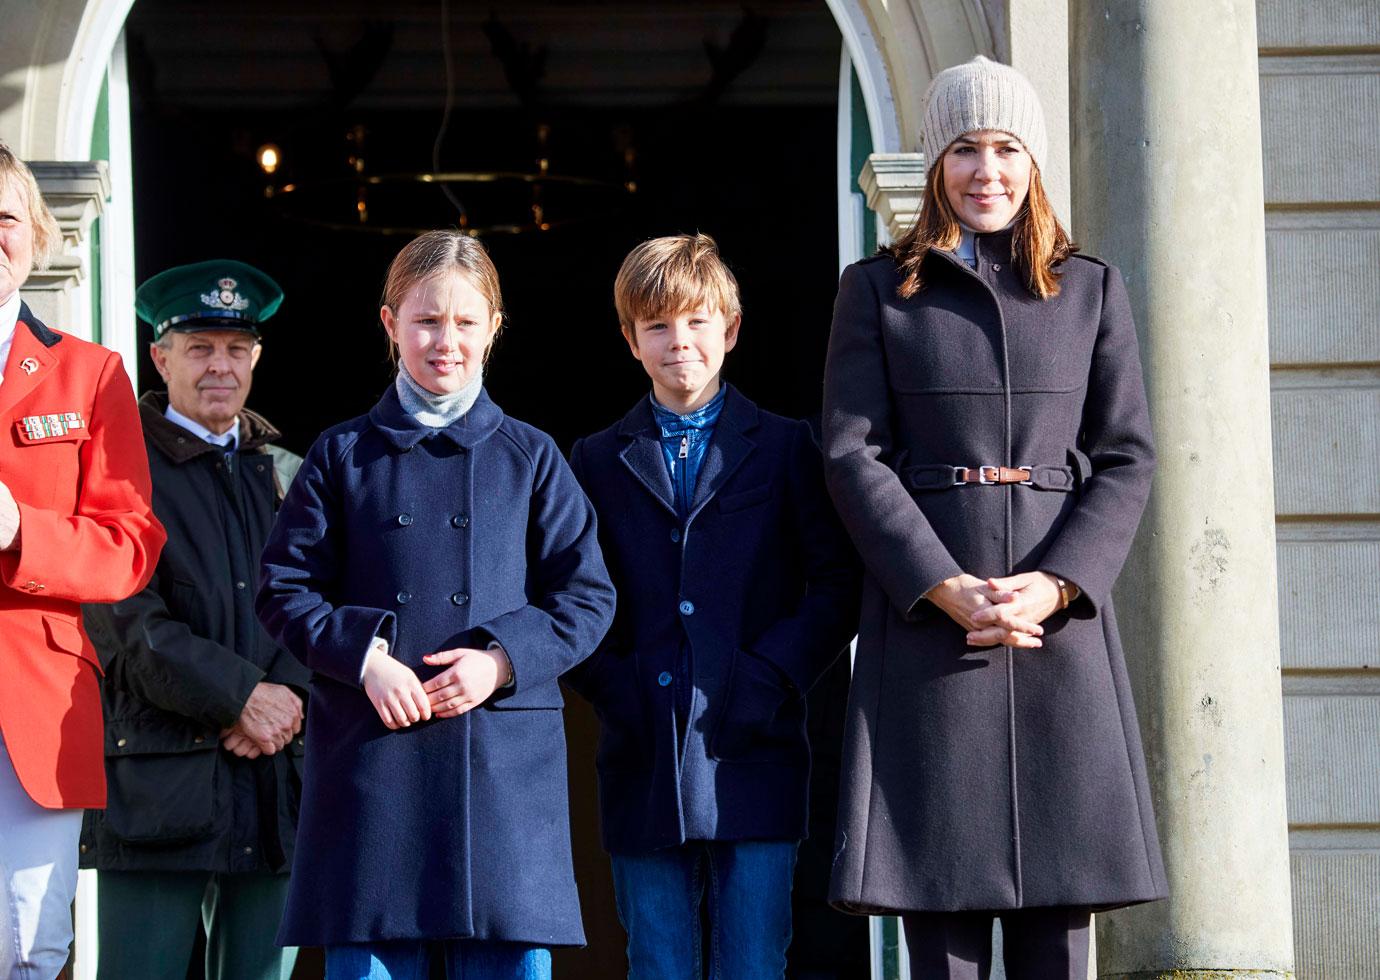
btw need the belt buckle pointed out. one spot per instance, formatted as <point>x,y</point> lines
<point>982,475</point>
<point>1029,481</point>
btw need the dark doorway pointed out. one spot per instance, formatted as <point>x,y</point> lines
<point>721,118</point>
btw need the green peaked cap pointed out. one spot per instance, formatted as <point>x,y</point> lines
<point>221,294</point>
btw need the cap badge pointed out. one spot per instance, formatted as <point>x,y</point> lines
<point>225,298</point>
<point>29,365</point>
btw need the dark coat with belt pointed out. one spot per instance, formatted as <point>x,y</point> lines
<point>762,585</point>
<point>989,778</point>
<point>181,658</point>
<point>435,539</point>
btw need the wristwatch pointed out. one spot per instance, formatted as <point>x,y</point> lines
<point>1067,592</point>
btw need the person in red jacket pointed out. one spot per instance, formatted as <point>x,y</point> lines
<point>76,525</point>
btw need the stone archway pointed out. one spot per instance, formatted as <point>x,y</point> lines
<point>57,52</point>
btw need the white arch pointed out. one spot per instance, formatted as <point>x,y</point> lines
<point>898,45</point>
<point>84,74</point>
<point>871,71</point>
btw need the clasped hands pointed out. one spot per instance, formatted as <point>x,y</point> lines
<point>269,719</point>
<point>401,698</point>
<point>999,611</point>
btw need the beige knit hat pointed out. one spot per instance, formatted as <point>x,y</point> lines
<point>983,94</point>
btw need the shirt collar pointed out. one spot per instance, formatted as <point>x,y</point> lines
<point>703,417</point>
<point>9,316</point>
<point>230,440</point>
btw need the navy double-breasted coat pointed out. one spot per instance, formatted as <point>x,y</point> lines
<point>435,539</point>
<point>762,585</point>
<point>995,778</point>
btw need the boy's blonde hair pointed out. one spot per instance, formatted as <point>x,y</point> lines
<point>666,276</point>
<point>434,254</point>
<point>47,234</point>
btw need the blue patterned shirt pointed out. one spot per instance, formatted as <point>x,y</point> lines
<point>684,439</point>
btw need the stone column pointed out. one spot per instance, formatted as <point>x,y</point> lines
<point>76,193</point>
<point>1035,40</point>
<point>1167,184</point>
<point>894,186</point>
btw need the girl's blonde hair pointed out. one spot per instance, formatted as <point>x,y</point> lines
<point>1038,242</point>
<point>434,254</point>
<point>47,234</point>
<point>666,276</point>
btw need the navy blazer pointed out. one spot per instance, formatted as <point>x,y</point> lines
<point>762,584</point>
<point>433,539</point>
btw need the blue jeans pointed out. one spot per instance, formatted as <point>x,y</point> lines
<point>466,959</point>
<point>659,895</point>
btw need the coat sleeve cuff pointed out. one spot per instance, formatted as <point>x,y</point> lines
<point>522,634</point>
<point>343,642</point>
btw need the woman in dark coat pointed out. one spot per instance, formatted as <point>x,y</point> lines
<point>988,447</point>
<point>436,565</point>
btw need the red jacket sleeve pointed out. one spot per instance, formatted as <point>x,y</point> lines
<point>106,550</point>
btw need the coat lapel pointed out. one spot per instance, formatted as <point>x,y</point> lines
<point>643,456</point>
<point>30,361</point>
<point>727,449</point>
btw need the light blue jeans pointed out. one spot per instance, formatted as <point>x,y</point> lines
<point>659,895</point>
<point>466,959</point>
<point>38,878</point>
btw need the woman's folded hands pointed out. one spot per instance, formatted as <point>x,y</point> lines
<point>999,611</point>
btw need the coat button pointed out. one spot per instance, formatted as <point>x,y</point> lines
<point>996,266</point>
<point>664,679</point>
<point>675,534</point>
<point>248,850</point>
<point>199,739</point>
<point>83,848</point>
<point>404,598</point>
<point>460,520</point>
<point>404,519</point>
<point>460,598</point>
<point>239,585</point>
<point>122,742</point>
<point>687,608</point>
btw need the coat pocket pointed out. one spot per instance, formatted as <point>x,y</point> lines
<point>761,719</point>
<point>744,499</point>
<point>161,784</point>
<point>66,636</point>
<point>546,695</point>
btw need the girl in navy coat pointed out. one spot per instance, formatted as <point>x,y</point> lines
<point>436,564</point>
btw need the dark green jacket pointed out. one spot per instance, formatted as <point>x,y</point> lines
<point>181,658</point>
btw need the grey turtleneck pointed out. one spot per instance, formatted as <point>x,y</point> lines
<point>431,409</point>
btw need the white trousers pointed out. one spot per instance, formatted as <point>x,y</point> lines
<point>38,879</point>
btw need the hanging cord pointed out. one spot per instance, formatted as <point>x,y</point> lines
<point>445,113</point>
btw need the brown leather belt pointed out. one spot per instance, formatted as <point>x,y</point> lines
<point>938,476</point>
<point>990,474</point>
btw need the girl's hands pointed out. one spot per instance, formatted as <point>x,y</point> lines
<point>980,607</point>
<point>1019,603</point>
<point>394,690</point>
<point>470,677</point>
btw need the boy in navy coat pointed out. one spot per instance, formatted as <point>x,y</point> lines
<point>737,589</point>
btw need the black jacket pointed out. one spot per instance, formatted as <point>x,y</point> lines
<point>181,658</point>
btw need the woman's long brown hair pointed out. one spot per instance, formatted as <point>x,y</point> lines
<point>1038,242</point>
